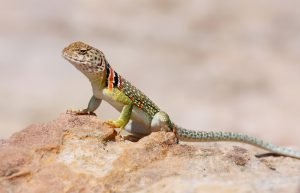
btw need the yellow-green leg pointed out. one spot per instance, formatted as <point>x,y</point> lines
<point>123,119</point>
<point>119,97</point>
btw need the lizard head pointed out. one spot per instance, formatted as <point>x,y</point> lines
<point>87,59</point>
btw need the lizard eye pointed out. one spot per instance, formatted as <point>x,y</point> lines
<point>83,51</point>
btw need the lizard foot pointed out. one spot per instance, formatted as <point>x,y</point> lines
<point>80,112</point>
<point>115,124</point>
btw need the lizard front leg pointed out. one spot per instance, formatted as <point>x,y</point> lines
<point>123,119</point>
<point>92,106</point>
<point>119,97</point>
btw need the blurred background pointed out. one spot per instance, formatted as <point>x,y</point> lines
<point>211,64</point>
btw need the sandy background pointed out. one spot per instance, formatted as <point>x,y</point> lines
<point>212,64</point>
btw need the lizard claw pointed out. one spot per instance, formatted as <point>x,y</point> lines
<point>80,112</point>
<point>116,124</point>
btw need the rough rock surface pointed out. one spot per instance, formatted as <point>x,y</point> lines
<point>78,154</point>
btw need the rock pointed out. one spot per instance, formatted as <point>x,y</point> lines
<point>79,154</point>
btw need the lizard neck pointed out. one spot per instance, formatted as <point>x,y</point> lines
<point>98,81</point>
<point>108,78</point>
<point>112,78</point>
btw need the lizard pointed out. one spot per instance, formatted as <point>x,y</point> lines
<point>136,108</point>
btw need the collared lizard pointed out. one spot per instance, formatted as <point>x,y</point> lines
<point>134,105</point>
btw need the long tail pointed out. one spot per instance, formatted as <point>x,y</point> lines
<point>190,135</point>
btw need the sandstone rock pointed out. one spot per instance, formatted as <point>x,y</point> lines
<point>79,154</point>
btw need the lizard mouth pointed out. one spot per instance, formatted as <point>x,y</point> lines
<point>70,58</point>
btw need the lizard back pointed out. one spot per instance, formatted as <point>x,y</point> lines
<point>114,80</point>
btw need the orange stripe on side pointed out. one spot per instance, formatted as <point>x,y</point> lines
<point>111,79</point>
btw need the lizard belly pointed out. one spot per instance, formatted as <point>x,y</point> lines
<point>141,117</point>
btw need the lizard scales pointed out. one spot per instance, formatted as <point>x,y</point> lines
<point>134,105</point>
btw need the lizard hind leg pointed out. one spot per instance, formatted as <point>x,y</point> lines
<point>161,122</point>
